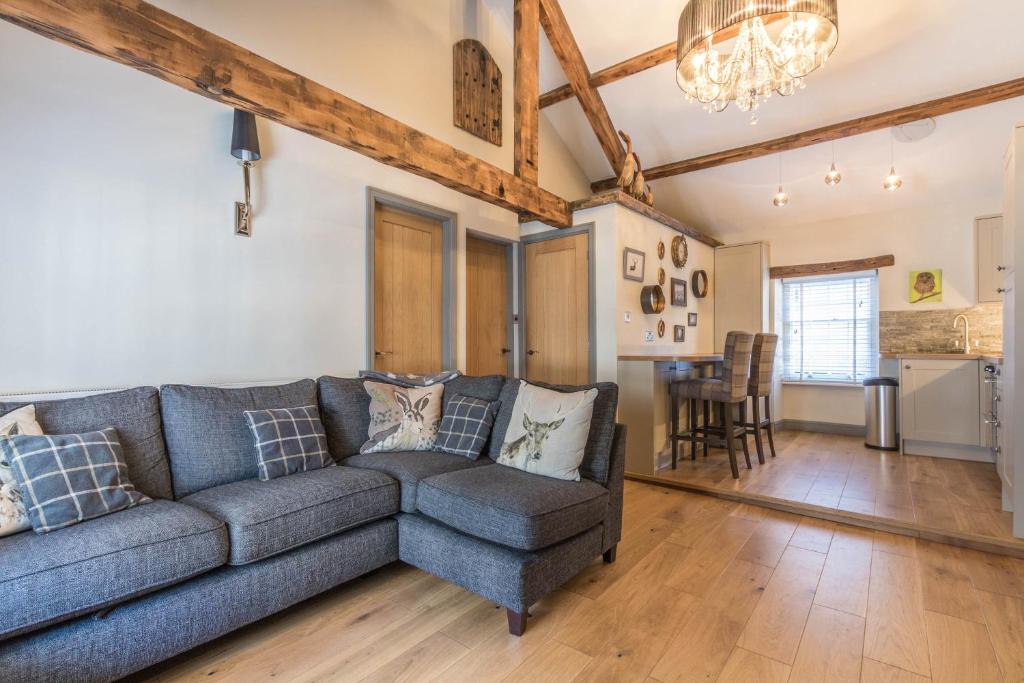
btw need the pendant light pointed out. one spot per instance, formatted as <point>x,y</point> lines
<point>781,198</point>
<point>892,181</point>
<point>833,177</point>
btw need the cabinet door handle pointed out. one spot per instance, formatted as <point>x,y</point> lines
<point>1000,268</point>
<point>1001,290</point>
<point>906,367</point>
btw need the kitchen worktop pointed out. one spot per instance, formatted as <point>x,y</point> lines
<point>988,357</point>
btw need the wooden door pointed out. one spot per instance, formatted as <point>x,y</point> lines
<point>488,348</point>
<point>408,277</point>
<point>940,401</point>
<point>557,283</point>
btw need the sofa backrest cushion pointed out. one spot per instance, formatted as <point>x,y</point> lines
<point>345,411</point>
<point>135,413</point>
<point>486,388</point>
<point>597,454</point>
<point>208,440</point>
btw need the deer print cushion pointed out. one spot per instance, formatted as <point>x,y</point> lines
<point>13,516</point>
<point>548,431</point>
<point>402,418</point>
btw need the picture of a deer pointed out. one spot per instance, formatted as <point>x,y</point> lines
<point>529,444</point>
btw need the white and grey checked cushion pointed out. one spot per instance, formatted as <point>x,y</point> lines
<point>69,478</point>
<point>465,426</point>
<point>288,440</point>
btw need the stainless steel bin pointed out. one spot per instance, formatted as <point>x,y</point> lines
<point>880,397</point>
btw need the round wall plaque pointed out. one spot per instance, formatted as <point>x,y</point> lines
<point>699,284</point>
<point>661,250</point>
<point>652,299</point>
<point>661,276</point>
<point>661,328</point>
<point>680,251</point>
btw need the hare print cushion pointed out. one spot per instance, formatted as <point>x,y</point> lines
<point>13,516</point>
<point>548,431</point>
<point>402,418</point>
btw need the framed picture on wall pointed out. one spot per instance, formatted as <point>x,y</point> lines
<point>678,292</point>
<point>633,264</point>
<point>678,333</point>
<point>691,319</point>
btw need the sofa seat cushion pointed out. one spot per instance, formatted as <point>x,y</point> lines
<point>265,518</point>
<point>411,467</point>
<point>512,507</point>
<point>83,568</point>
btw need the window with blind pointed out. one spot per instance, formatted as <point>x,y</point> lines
<point>830,328</point>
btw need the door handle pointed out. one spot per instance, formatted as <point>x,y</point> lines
<point>506,350</point>
<point>382,353</point>
<point>1000,268</point>
<point>1001,290</point>
<point>532,352</point>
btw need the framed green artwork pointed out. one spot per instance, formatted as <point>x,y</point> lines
<point>926,286</point>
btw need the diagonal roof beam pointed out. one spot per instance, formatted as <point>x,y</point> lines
<point>865,124</point>
<point>144,37</point>
<point>569,56</point>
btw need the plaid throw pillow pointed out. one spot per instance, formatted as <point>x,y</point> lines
<point>69,478</point>
<point>465,426</point>
<point>288,440</point>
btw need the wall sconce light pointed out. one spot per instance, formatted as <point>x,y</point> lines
<point>245,145</point>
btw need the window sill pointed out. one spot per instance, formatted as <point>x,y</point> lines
<point>810,383</point>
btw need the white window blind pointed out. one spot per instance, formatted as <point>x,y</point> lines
<point>830,328</point>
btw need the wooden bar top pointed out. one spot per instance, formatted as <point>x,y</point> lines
<point>679,358</point>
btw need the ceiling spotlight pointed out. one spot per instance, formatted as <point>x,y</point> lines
<point>833,177</point>
<point>892,181</point>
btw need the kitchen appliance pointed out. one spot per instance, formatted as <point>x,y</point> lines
<point>880,398</point>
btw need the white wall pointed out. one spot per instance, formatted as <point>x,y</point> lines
<point>920,238</point>
<point>118,192</point>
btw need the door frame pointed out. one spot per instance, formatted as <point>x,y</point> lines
<point>449,226</point>
<point>510,259</point>
<point>588,229</point>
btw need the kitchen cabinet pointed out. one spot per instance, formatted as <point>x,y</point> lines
<point>940,401</point>
<point>741,290</point>
<point>988,233</point>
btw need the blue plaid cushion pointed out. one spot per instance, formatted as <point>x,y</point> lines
<point>288,440</point>
<point>69,478</point>
<point>465,426</point>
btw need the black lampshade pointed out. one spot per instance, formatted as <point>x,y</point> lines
<point>245,144</point>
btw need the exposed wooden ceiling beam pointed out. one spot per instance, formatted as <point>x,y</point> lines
<point>151,40</point>
<point>634,65</point>
<point>569,56</point>
<point>526,88</point>
<point>832,267</point>
<point>621,198</point>
<point>836,131</point>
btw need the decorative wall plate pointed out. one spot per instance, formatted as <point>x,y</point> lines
<point>680,251</point>
<point>661,328</point>
<point>699,284</point>
<point>652,299</point>
<point>661,250</point>
<point>661,276</point>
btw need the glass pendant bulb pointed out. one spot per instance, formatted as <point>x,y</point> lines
<point>833,177</point>
<point>781,198</point>
<point>892,181</point>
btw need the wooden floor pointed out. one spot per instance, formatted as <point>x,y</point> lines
<point>704,589</point>
<point>838,472</point>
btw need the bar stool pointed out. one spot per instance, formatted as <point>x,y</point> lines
<point>762,366</point>
<point>728,391</point>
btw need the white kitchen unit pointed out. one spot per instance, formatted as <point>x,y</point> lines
<point>988,234</point>
<point>941,411</point>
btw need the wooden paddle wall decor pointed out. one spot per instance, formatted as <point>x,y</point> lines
<point>477,82</point>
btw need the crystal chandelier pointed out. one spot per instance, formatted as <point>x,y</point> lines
<point>774,45</point>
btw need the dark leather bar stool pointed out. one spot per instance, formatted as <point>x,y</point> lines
<point>727,391</point>
<point>762,367</point>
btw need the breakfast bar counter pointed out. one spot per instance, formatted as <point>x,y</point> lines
<point>644,401</point>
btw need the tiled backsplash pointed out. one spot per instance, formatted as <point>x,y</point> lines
<point>932,330</point>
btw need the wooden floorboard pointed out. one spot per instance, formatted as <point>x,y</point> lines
<point>704,590</point>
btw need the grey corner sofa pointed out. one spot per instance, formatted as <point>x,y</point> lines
<point>218,549</point>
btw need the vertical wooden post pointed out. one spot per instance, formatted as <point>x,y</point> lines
<point>526,88</point>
